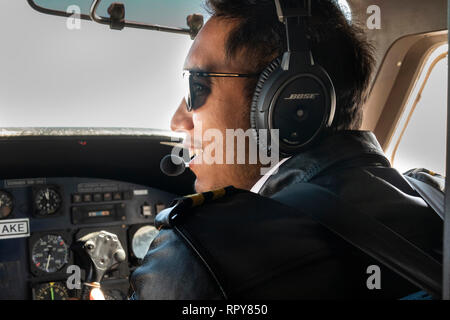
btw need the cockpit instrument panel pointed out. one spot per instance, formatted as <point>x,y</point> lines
<point>44,218</point>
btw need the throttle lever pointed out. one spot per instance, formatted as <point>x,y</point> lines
<point>104,251</point>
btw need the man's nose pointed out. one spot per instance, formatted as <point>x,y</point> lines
<point>182,119</point>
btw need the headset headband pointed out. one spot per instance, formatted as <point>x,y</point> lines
<point>294,15</point>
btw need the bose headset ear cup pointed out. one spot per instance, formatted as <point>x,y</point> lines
<point>300,103</point>
<point>254,112</point>
<point>301,108</point>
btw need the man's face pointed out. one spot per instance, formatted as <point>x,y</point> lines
<point>226,107</point>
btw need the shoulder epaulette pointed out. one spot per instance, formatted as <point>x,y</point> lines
<point>179,206</point>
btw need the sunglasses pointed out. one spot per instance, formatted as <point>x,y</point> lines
<point>198,86</point>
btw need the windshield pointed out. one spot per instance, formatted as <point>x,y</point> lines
<point>59,74</point>
<point>56,76</point>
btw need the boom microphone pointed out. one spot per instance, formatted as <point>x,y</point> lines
<point>172,165</point>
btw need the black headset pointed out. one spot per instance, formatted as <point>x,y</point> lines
<point>293,94</point>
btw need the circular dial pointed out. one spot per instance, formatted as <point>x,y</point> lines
<point>51,291</point>
<point>50,253</point>
<point>142,240</point>
<point>6,204</point>
<point>48,201</point>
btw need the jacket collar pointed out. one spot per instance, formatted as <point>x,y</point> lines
<point>338,149</point>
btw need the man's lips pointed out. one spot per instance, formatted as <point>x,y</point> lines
<point>193,155</point>
<point>194,148</point>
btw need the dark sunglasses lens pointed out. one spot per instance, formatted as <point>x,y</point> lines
<point>198,97</point>
<point>194,96</point>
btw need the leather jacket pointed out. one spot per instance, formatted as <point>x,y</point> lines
<point>248,246</point>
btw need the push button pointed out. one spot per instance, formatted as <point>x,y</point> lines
<point>87,197</point>
<point>76,198</point>
<point>107,196</point>
<point>146,210</point>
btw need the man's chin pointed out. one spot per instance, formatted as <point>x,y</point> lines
<point>203,186</point>
<point>205,180</point>
<point>200,187</point>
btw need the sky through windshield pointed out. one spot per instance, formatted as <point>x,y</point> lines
<point>93,77</point>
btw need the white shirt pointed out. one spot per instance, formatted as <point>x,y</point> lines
<point>257,187</point>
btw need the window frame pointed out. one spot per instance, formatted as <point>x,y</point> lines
<point>414,99</point>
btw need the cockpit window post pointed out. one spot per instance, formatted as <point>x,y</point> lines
<point>446,245</point>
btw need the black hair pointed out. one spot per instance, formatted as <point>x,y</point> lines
<point>337,45</point>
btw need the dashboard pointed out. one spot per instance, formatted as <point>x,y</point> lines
<point>41,220</point>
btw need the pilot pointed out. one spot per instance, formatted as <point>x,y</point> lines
<point>235,238</point>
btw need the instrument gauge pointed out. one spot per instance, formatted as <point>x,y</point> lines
<point>51,291</point>
<point>142,240</point>
<point>50,253</point>
<point>47,201</point>
<point>6,204</point>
